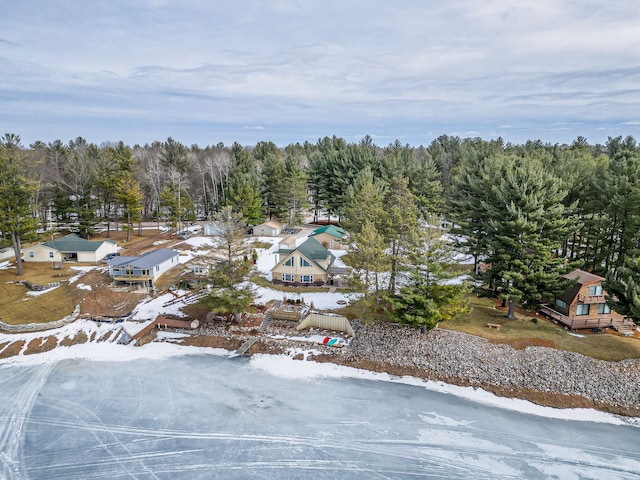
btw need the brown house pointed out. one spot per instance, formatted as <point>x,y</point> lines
<point>583,304</point>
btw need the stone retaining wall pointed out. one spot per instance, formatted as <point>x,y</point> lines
<point>35,327</point>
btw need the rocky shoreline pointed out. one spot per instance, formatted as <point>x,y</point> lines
<point>542,375</point>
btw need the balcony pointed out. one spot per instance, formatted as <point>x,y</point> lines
<point>591,299</point>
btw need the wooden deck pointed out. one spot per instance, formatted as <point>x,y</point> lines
<point>577,323</point>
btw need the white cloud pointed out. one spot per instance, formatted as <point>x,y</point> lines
<point>300,70</point>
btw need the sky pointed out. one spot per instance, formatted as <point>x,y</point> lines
<point>287,71</point>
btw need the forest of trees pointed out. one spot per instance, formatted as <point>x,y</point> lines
<point>529,212</point>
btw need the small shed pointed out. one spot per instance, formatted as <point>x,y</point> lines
<point>336,323</point>
<point>272,228</point>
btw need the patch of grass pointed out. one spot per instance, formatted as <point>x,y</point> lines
<point>523,331</point>
<point>259,244</point>
<point>16,306</point>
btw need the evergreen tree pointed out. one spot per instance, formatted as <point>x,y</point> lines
<point>231,293</point>
<point>243,195</point>
<point>526,224</point>
<point>427,299</point>
<point>129,197</point>
<point>367,257</point>
<point>401,230</point>
<point>623,289</point>
<point>364,203</point>
<point>17,193</point>
<point>296,190</point>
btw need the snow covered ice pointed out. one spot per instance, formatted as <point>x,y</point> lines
<point>166,411</point>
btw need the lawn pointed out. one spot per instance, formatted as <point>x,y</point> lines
<point>16,306</point>
<point>532,330</point>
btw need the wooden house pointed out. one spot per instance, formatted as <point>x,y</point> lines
<point>583,304</point>
<point>306,264</point>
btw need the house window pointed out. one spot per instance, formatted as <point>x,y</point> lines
<point>287,277</point>
<point>595,291</point>
<point>306,278</point>
<point>157,268</point>
<point>32,254</point>
<point>304,263</point>
<point>582,309</point>
<point>50,254</point>
<point>603,308</point>
<point>290,263</point>
<point>560,303</point>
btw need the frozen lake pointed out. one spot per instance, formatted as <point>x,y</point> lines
<point>207,416</point>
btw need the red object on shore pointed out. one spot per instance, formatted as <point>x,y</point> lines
<point>326,340</point>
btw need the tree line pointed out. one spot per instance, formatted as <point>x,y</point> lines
<point>526,212</point>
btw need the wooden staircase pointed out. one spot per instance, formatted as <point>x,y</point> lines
<point>625,327</point>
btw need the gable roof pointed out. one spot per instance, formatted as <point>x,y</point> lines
<point>569,295</point>
<point>272,223</point>
<point>148,260</point>
<point>314,251</point>
<point>330,230</point>
<point>583,277</point>
<point>73,243</point>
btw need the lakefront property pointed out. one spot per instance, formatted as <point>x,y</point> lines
<point>583,305</point>
<point>143,270</point>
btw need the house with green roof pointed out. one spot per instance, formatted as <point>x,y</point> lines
<point>70,248</point>
<point>331,237</point>
<point>307,264</point>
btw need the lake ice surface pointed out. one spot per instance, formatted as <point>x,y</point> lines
<point>204,416</point>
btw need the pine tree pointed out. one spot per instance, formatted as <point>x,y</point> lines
<point>526,224</point>
<point>623,289</point>
<point>17,194</point>
<point>427,298</point>
<point>231,293</point>
<point>401,230</point>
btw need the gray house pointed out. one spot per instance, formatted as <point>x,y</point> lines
<point>145,269</point>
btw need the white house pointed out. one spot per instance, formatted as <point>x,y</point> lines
<point>71,248</point>
<point>145,269</point>
<point>272,228</point>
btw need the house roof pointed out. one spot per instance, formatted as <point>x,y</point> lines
<point>582,278</point>
<point>73,243</point>
<point>331,230</point>
<point>314,251</point>
<point>148,260</point>
<point>272,224</point>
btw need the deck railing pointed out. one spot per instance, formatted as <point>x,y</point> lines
<point>579,322</point>
<point>591,298</point>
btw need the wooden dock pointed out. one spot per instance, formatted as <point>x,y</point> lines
<point>246,346</point>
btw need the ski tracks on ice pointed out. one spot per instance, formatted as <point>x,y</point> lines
<point>12,429</point>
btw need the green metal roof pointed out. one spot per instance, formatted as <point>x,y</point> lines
<point>331,230</point>
<point>73,243</point>
<point>314,251</point>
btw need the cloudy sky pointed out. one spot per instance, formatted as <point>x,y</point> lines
<point>209,71</point>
